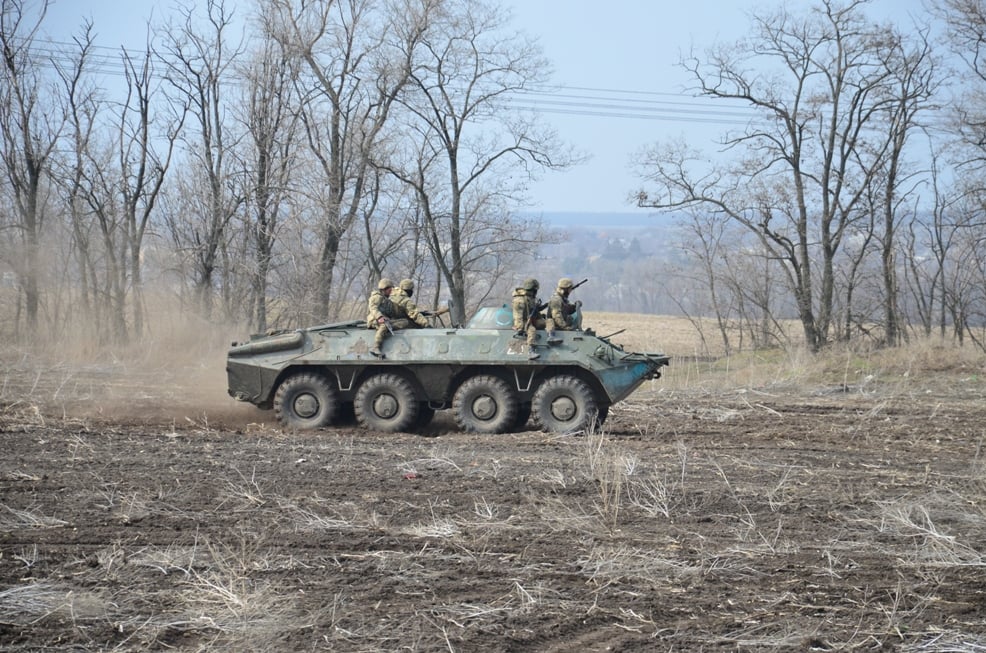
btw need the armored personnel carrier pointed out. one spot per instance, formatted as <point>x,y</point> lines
<point>482,372</point>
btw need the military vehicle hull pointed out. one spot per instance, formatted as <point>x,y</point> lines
<point>482,372</point>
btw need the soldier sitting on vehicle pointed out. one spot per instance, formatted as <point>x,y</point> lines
<point>407,313</point>
<point>381,312</point>
<point>395,310</point>
<point>527,314</point>
<point>563,315</point>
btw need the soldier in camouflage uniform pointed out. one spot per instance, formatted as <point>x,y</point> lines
<point>527,319</point>
<point>561,312</point>
<point>408,314</point>
<point>381,312</point>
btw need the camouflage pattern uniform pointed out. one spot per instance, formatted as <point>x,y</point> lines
<point>407,313</point>
<point>524,303</point>
<point>380,310</point>
<point>561,312</point>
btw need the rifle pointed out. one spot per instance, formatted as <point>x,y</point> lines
<point>441,311</point>
<point>538,307</point>
<point>386,323</point>
<point>579,283</point>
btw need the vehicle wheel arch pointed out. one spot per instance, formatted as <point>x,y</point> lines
<point>373,370</point>
<point>503,373</point>
<point>601,397</point>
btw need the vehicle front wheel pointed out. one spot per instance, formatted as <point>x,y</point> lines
<point>564,404</point>
<point>305,401</point>
<point>386,402</point>
<point>484,404</point>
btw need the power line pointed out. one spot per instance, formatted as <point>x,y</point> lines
<point>629,104</point>
<point>584,101</point>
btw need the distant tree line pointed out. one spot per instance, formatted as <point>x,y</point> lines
<point>268,168</point>
<point>855,201</point>
<point>265,168</point>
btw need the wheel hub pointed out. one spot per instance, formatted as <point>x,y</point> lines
<point>484,407</point>
<point>563,409</point>
<point>305,405</point>
<point>385,406</point>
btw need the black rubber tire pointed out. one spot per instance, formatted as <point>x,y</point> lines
<point>305,401</point>
<point>484,404</point>
<point>386,402</point>
<point>523,416</point>
<point>601,414</point>
<point>564,404</point>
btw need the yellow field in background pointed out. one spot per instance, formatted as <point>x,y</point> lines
<point>675,336</point>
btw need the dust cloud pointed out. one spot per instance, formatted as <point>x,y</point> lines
<point>175,376</point>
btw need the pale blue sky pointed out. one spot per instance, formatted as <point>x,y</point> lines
<point>616,61</point>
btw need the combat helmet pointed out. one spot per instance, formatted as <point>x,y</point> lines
<point>531,284</point>
<point>407,285</point>
<point>565,283</point>
<point>385,283</point>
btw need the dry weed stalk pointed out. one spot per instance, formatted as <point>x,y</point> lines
<point>440,527</point>
<point>28,557</point>
<point>933,547</point>
<point>946,641</point>
<point>172,559</point>
<point>32,604</point>
<point>223,597</point>
<point>608,564</point>
<point>309,520</point>
<point>555,477</point>
<point>657,493</point>
<point>608,468</point>
<point>248,491</point>
<point>27,519</point>
<point>776,495</point>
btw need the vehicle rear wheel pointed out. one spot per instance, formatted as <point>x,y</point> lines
<point>564,404</point>
<point>305,401</point>
<point>386,402</point>
<point>484,404</point>
<point>601,415</point>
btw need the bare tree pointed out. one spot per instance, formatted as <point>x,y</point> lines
<point>31,123</point>
<point>958,229</point>
<point>821,139</point>
<point>84,104</point>
<point>469,157</point>
<point>704,240</point>
<point>965,31</point>
<point>356,52</point>
<point>927,248</point>
<point>272,126</point>
<point>199,60</point>
<point>112,185</point>
<point>912,83</point>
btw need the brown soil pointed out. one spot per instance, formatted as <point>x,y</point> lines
<point>138,516</point>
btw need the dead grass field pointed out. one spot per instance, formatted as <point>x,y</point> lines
<point>768,502</point>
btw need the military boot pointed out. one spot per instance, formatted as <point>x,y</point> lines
<point>550,328</point>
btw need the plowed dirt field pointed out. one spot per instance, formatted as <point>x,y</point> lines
<point>138,513</point>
